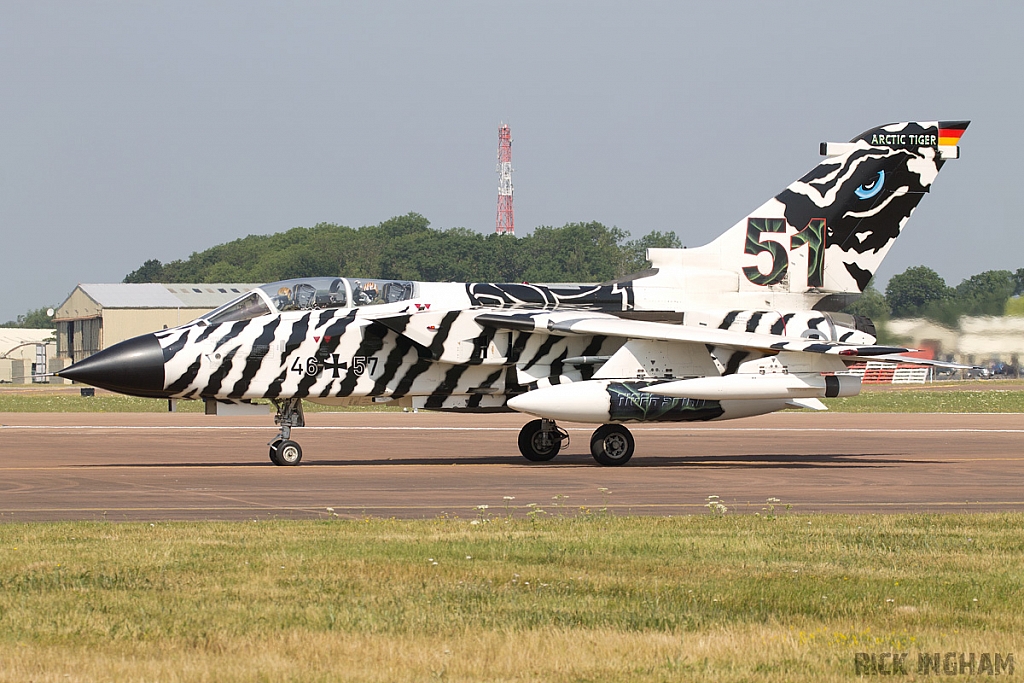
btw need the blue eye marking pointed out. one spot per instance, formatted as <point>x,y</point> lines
<point>869,190</point>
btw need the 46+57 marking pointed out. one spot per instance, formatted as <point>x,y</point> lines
<point>314,366</point>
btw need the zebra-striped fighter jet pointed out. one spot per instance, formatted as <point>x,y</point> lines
<point>745,325</point>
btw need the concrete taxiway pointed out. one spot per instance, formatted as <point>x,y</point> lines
<point>151,467</point>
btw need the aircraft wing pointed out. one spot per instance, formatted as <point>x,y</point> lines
<point>611,326</point>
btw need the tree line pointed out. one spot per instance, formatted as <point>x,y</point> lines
<point>35,319</point>
<point>920,292</point>
<point>407,248</point>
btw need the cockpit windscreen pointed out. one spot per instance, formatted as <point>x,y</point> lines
<point>246,307</point>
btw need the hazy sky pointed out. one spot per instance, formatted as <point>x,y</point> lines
<point>136,130</point>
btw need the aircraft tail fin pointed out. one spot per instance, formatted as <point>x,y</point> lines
<point>826,234</point>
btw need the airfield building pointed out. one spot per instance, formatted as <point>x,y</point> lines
<point>26,352</point>
<point>96,316</point>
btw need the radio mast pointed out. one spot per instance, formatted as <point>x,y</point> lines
<point>506,223</point>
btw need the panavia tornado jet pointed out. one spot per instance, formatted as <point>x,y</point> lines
<point>745,325</point>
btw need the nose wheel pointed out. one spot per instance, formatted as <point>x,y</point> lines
<point>612,445</point>
<point>283,451</point>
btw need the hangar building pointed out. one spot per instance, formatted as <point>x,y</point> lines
<point>96,316</point>
<point>25,352</point>
<point>979,340</point>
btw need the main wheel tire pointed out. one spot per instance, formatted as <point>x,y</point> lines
<point>612,445</point>
<point>536,445</point>
<point>286,453</point>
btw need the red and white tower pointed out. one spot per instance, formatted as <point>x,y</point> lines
<point>506,223</point>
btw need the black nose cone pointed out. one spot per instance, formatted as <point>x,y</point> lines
<point>135,367</point>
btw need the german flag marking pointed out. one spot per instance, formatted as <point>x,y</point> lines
<point>949,137</point>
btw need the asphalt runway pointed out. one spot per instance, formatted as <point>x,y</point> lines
<point>150,467</point>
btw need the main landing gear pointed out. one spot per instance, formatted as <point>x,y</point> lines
<point>540,440</point>
<point>611,445</point>
<point>284,451</point>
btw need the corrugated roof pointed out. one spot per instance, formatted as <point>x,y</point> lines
<point>153,295</point>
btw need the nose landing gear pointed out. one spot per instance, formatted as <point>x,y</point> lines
<point>284,451</point>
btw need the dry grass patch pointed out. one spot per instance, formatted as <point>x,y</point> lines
<point>770,653</point>
<point>589,598</point>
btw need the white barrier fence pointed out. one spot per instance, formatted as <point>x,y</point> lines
<point>880,372</point>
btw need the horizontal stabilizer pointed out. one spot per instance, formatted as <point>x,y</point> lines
<point>896,358</point>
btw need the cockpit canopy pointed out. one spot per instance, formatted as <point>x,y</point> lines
<point>312,293</point>
<point>307,293</point>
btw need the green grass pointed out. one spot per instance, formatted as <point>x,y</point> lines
<point>583,598</point>
<point>50,402</point>
<point>935,401</point>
